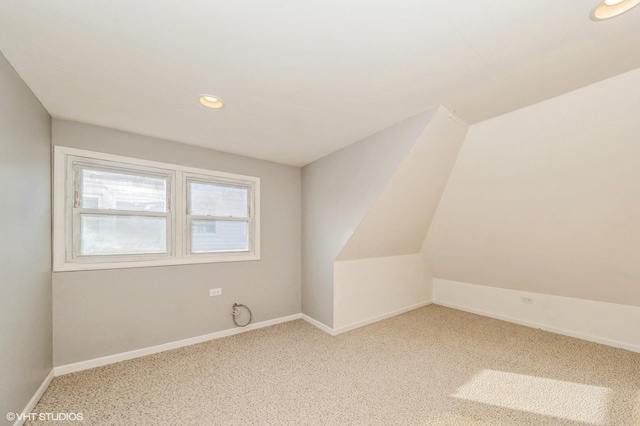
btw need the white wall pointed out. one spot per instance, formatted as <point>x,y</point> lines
<point>606,323</point>
<point>25,243</point>
<point>379,271</point>
<point>99,313</point>
<point>337,191</point>
<point>369,290</point>
<point>397,222</point>
<point>546,199</point>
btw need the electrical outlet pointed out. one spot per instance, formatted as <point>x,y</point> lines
<point>215,291</point>
<point>527,300</point>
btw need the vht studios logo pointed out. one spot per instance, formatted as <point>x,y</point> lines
<point>55,417</point>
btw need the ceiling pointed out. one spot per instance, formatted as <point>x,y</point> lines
<point>304,78</point>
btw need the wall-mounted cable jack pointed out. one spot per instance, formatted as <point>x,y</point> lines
<point>235,311</point>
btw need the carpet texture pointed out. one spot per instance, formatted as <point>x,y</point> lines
<point>431,366</point>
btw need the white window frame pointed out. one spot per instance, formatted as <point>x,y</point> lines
<point>66,212</point>
<point>250,219</point>
<point>74,166</point>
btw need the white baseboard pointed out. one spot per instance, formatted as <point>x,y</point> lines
<point>335,332</point>
<point>377,318</point>
<point>34,400</point>
<point>318,324</point>
<point>605,323</point>
<point>111,359</point>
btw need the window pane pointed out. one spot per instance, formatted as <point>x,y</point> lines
<point>120,191</point>
<point>218,235</point>
<point>122,234</point>
<point>217,200</point>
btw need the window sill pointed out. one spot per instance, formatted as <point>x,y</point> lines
<point>198,259</point>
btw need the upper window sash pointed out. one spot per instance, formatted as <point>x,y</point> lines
<point>78,165</point>
<point>190,179</point>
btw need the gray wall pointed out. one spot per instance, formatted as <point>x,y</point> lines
<point>338,190</point>
<point>25,248</point>
<point>98,313</point>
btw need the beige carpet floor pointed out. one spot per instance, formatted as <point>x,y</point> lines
<point>431,366</point>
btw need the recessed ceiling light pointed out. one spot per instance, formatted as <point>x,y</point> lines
<point>611,8</point>
<point>214,102</point>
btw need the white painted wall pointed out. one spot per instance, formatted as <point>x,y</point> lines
<point>398,220</point>
<point>607,323</point>
<point>368,290</point>
<point>337,191</point>
<point>379,271</point>
<point>546,199</point>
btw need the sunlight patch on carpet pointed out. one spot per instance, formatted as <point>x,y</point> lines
<point>538,395</point>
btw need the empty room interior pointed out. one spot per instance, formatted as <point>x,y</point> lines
<point>320,212</point>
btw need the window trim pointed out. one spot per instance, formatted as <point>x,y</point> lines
<point>178,233</point>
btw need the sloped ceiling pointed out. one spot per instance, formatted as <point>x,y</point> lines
<point>303,78</point>
<point>337,192</point>
<point>547,199</point>
<point>397,222</point>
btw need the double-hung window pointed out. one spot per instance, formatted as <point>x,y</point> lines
<point>218,215</point>
<point>116,212</point>
<point>119,212</point>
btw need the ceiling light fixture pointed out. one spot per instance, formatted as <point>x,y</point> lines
<point>611,8</point>
<point>214,102</point>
